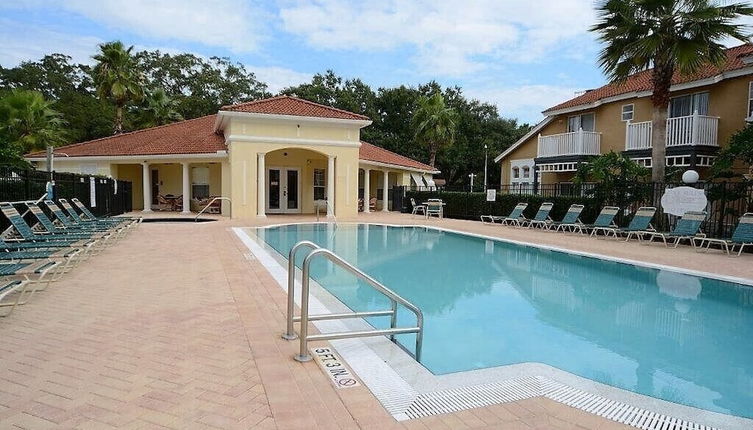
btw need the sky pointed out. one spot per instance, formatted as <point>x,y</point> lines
<point>522,56</point>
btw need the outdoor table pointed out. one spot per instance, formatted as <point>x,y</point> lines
<point>434,203</point>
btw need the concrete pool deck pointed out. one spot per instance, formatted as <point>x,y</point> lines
<point>178,327</point>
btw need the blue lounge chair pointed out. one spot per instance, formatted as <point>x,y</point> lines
<point>604,221</point>
<point>88,215</point>
<point>7,287</point>
<point>742,237</point>
<point>516,215</point>
<point>70,224</point>
<point>23,230</point>
<point>541,219</point>
<point>687,228</point>
<point>21,275</point>
<point>639,225</point>
<point>569,221</point>
<point>62,230</point>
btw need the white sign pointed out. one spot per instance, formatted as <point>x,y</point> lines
<point>491,195</point>
<point>334,367</point>
<point>92,192</point>
<point>677,201</point>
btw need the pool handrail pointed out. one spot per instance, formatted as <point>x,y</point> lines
<point>305,318</point>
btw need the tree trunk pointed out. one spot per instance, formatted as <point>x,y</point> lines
<point>432,156</point>
<point>118,119</point>
<point>661,79</point>
<point>658,142</point>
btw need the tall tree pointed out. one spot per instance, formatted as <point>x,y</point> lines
<point>670,36</point>
<point>159,109</point>
<point>28,122</point>
<point>117,78</point>
<point>434,124</point>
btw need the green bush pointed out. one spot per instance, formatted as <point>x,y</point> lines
<point>464,205</point>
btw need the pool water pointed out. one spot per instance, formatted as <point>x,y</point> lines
<point>486,303</point>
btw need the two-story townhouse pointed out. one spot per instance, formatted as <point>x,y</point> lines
<point>705,110</point>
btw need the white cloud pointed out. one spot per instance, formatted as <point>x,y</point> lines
<point>524,102</point>
<point>23,43</point>
<point>278,78</point>
<point>230,24</point>
<point>448,38</point>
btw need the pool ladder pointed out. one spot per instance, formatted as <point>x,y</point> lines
<point>315,251</point>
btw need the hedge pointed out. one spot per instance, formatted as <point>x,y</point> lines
<point>464,205</point>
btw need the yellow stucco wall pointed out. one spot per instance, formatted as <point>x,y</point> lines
<point>728,100</point>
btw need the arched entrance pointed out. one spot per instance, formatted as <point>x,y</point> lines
<point>295,181</point>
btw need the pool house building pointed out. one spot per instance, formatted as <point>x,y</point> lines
<point>272,156</point>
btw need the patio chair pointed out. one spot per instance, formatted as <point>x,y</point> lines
<point>70,223</point>
<point>85,221</point>
<point>89,216</point>
<point>514,218</point>
<point>434,207</point>
<point>541,219</point>
<point>605,220</point>
<point>742,236</point>
<point>372,204</point>
<point>687,228</point>
<point>63,230</point>
<point>638,227</point>
<point>163,204</point>
<point>23,230</point>
<point>417,208</point>
<point>571,219</point>
<point>68,257</point>
<point>24,274</point>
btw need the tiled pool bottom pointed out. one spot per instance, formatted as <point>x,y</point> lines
<point>425,384</point>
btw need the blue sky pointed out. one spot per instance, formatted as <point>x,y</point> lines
<point>523,56</point>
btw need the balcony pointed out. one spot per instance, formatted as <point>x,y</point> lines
<point>565,144</point>
<point>693,130</point>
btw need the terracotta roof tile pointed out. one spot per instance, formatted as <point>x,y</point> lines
<point>193,136</point>
<point>642,81</point>
<point>286,105</point>
<point>375,153</point>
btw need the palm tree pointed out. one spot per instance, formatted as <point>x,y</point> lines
<point>434,124</point>
<point>160,109</point>
<point>28,122</point>
<point>670,36</point>
<point>117,78</point>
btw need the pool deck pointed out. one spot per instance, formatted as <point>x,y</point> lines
<point>178,327</point>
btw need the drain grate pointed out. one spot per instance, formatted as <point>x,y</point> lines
<point>447,401</point>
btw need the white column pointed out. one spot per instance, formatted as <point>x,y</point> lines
<point>261,202</point>
<point>366,189</point>
<point>146,179</point>
<point>186,189</point>
<point>385,199</point>
<point>331,186</point>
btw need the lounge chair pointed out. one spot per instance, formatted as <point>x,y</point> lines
<point>687,228</point>
<point>21,275</point>
<point>6,288</point>
<point>417,208</point>
<point>23,230</point>
<point>742,236</point>
<point>571,220</point>
<point>639,225</point>
<point>87,215</point>
<point>514,217</point>
<point>541,219</point>
<point>71,224</point>
<point>604,221</point>
<point>64,230</point>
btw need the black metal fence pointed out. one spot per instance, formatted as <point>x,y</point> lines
<point>105,196</point>
<point>727,201</point>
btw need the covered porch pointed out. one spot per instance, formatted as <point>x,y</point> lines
<point>177,185</point>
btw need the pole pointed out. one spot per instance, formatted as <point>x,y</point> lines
<point>486,163</point>
<point>472,175</point>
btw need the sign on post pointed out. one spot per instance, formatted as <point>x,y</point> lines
<point>92,192</point>
<point>491,195</point>
<point>677,201</point>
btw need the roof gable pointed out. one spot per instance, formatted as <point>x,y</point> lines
<point>293,106</point>
<point>641,81</point>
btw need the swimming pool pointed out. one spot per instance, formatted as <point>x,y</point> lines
<point>487,303</point>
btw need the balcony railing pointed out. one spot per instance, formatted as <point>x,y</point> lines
<point>684,130</point>
<point>576,143</point>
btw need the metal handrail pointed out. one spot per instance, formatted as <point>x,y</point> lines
<point>305,318</point>
<point>210,204</point>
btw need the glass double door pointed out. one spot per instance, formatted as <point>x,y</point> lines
<point>283,190</point>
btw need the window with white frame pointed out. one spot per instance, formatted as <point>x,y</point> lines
<point>200,182</point>
<point>516,172</point>
<point>627,112</point>
<point>586,121</point>
<point>521,173</point>
<point>750,100</point>
<point>526,172</point>
<point>319,184</point>
<point>688,104</point>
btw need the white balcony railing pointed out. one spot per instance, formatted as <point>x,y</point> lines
<point>576,143</point>
<point>685,130</point>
